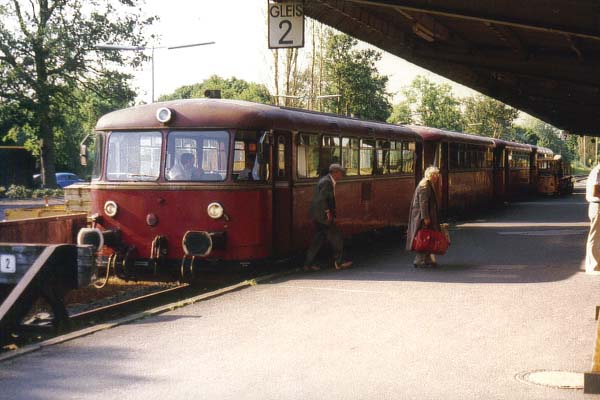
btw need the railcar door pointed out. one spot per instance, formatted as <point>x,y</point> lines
<point>282,194</point>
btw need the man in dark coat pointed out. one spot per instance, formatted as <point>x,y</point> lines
<point>322,211</point>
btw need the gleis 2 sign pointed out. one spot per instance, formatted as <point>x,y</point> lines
<point>286,24</point>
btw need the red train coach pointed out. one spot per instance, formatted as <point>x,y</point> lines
<point>466,165</point>
<point>253,172</point>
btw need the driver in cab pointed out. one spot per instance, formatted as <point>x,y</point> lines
<point>185,169</point>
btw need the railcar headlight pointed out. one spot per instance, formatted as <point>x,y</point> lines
<point>164,115</point>
<point>110,208</point>
<point>215,210</point>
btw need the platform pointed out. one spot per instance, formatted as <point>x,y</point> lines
<point>510,298</point>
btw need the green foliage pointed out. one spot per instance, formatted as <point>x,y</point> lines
<point>47,53</point>
<point>434,104</point>
<point>41,193</point>
<point>521,134</point>
<point>401,114</point>
<point>2,192</point>
<point>488,117</point>
<point>549,137</point>
<point>231,88</point>
<point>352,74</point>
<point>18,192</point>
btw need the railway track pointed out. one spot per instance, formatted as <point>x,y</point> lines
<point>40,326</point>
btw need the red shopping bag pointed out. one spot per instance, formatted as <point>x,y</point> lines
<point>430,241</point>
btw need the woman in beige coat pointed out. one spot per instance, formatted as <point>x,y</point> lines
<point>424,213</point>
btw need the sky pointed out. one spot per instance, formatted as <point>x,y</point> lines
<point>239,30</point>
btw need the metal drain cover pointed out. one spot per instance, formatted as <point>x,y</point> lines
<point>555,379</point>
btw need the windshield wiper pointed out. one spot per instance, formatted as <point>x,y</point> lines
<point>141,176</point>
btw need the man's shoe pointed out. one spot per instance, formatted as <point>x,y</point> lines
<point>344,265</point>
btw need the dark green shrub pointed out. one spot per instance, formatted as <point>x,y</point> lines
<point>18,192</point>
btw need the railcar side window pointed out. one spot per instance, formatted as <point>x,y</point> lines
<point>281,157</point>
<point>330,153</point>
<point>134,156</point>
<point>197,156</point>
<point>367,156</point>
<point>469,156</point>
<point>350,155</point>
<point>308,156</point>
<point>518,160</point>
<point>248,163</point>
<point>382,153</point>
<point>408,157</point>
<point>395,157</point>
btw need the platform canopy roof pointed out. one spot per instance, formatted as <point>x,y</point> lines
<point>540,56</point>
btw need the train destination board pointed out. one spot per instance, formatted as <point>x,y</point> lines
<point>286,24</point>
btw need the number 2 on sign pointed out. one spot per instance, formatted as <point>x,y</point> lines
<point>8,263</point>
<point>289,28</point>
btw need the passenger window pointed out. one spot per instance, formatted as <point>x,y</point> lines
<point>382,157</point>
<point>408,157</point>
<point>308,156</point>
<point>395,157</point>
<point>350,155</point>
<point>248,163</point>
<point>281,157</point>
<point>367,156</point>
<point>330,153</point>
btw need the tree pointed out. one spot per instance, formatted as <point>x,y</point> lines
<point>352,74</point>
<point>434,104</point>
<point>47,50</point>
<point>488,117</point>
<point>401,114</point>
<point>231,88</point>
<point>521,134</point>
<point>111,93</point>
<point>550,137</point>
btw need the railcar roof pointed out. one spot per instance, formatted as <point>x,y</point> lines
<point>221,113</point>
<point>513,145</point>
<point>435,134</point>
<point>543,150</point>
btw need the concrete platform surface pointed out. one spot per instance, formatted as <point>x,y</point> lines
<point>509,298</point>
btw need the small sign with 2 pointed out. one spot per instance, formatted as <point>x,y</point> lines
<point>286,24</point>
<point>8,264</point>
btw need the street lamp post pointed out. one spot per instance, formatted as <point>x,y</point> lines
<point>142,48</point>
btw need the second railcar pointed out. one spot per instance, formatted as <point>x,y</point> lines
<point>466,165</point>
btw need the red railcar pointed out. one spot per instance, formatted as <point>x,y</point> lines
<point>255,168</point>
<point>466,165</point>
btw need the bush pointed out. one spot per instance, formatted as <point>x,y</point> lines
<point>2,192</point>
<point>18,192</point>
<point>40,193</point>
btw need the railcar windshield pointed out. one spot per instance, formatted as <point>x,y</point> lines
<point>198,156</point>
<point>134,156</point>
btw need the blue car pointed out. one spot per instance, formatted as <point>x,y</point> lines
<point>63,179</point>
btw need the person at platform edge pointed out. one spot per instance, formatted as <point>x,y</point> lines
<point>592,195</point>
<point>424,213</point>
<point>322,211</point>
